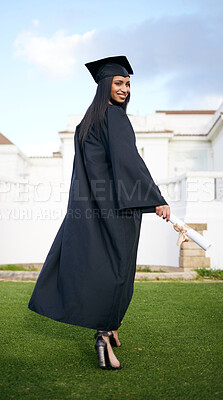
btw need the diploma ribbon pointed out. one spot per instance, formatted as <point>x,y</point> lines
<point>182,233</point>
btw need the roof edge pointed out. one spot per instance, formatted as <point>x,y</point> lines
<point>4,139</point>
<point>186,111</point>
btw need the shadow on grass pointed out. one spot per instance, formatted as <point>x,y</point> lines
<point>80,340</point>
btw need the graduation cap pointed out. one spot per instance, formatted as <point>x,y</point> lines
<point>109,66</point>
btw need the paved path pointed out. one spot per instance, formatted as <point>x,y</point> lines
<point>19,275</point>
<point>33,275</point>
<point>167,275</point>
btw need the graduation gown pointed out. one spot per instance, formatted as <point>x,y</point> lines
<point>88,276</point>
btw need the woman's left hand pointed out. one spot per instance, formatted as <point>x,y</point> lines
<point>163,211</point>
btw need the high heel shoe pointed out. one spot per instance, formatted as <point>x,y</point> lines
<point>101,348</point>
<point>113,341</point>
<point>111,338</point>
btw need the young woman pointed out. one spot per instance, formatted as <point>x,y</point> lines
<point>88,276</point>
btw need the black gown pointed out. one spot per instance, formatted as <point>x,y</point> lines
<point>88,276</point>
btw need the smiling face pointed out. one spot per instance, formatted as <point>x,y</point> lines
<point>120,88</point>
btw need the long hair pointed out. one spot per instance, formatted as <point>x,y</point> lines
<point>94,116</point>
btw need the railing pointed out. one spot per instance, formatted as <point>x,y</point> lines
<point>193,186</point>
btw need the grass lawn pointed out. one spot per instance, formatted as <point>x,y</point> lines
<point>172,348</point>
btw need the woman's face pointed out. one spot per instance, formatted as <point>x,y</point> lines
<point>120,88</point>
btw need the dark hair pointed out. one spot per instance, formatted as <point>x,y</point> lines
<point>94,116</point>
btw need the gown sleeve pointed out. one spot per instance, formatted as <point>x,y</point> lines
<point>134,185</point>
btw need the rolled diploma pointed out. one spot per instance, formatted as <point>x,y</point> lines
<point>191,233</point>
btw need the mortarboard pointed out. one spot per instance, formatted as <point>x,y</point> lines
<point>109,66</point>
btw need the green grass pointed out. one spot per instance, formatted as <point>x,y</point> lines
<point>171,338</point>
<point>17,267</point>
<point>145,269</point>
<point>210,273</point>
<point>148,269</point>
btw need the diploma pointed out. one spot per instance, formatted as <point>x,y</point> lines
<point>186,231</point>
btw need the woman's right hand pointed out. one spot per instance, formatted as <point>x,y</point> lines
<point>163,211</point>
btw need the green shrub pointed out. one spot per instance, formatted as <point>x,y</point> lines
<point>210,273</point>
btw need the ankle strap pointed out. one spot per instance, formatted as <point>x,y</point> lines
<point>103,333</point>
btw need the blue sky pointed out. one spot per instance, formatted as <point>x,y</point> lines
<point>173,46</point>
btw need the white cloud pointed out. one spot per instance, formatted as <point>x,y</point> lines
<point>174,56</point>
<point>35,22</point>
<point>177,57</point>
<point>57,55</point>
<point>209,102</point>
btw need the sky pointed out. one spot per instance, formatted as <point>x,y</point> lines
<point>174,47</point>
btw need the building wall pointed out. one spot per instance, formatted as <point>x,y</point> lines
<point>46,169</point>
<point>31,214</point>
<point>13,163</point>
<point>154,151</point>
<point>67,149</point>
<point>187,123</point>
<point>189,155</point>
<point>218,152</point>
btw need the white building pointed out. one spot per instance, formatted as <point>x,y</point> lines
<point>183,151</point>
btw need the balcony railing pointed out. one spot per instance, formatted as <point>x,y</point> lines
<point>205,186</point>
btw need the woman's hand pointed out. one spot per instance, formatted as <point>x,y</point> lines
<point>163,211</point>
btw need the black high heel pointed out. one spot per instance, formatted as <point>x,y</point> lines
<point>101,348</point>
<point>111,338</point>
